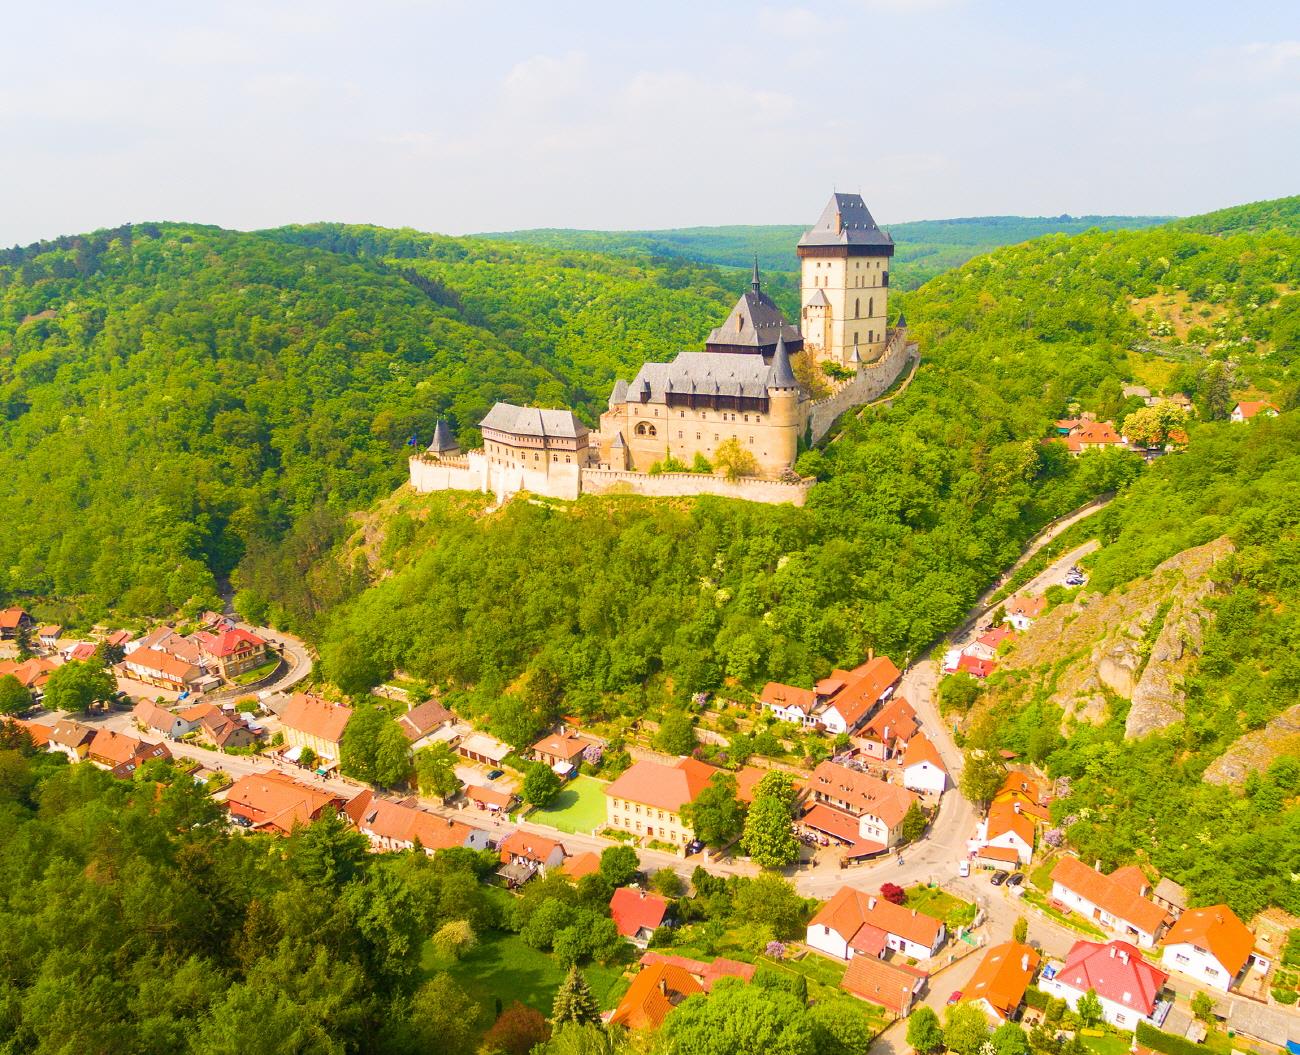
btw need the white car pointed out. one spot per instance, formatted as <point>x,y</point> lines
<point>963,869</point>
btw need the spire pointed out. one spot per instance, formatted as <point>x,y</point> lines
<point>901,324</point>
<point>782,375</point>
<point>855,358</point>
<point>755,283</point>
<point>443,440</point>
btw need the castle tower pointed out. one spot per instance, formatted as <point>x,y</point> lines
<point>844,278</point>
<point>785,405</point>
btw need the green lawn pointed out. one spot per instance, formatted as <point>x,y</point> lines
<point>257,673</point>
<point>1109,1043</point>
<point>580,807</point>
<point>503,966</point>
<point>939,904</point>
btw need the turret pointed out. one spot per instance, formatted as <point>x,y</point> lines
<point>444,443</point>
<point>782,375</point>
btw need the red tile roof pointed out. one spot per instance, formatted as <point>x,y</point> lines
<point>11,617</point>
<point>1250,407</point>
<point>420,721</point>
<point>865,685</point>
<point>704,973</point>
<point>163,665</point>
<point>33,673</point>
<point>1115,898</point>
<point>996,636</point>
<point>567,746</point>
<point>580,865</point>
<point>489,796</point>
<point>1218,931</point>
<point>1029,607</point>
<point>896,721</point>
<point>316,717</point>
<point>1003,976</point>
<point>227,642</point>
<point>662,786</point>
<point>920,749</point>
<point>654,992</point>
<point>277,802</point>
<point>1004,817</point>
<point>864,793</point>
<point>38,734</point>
<point>851,909</point>
<point>747,778</point>
<point>520,843</point>
<point>998,853</point>
<point>634,910</point>
<point>404,824</point>
<point>841,826</point>
<point>892,986</point>
<point>981,668</point>
<point>1116,971</point>
<point>777,695</point>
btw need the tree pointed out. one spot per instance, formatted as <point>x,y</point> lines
<point>516,1031</point>
<point>768,839</point>
<point>541,785</point>
<point>353,667</point>
<point>668,883</point>
<point>435,771</point>
<point>981,776</point>
<point>453,940</point>
<point>444,1017</point>
<point>772,902</point>
<point>14,695</point>
<point>1020,930</point>
<point>23,640</point>
<point>574,1004</point>
<point>1216,401</point>
<point>1151,426</point>
<point>893,893</point>
<point>914,822</point>
<point>716,816</point>
<point>589,1040</point>
<point>733,460</point>
<point>1203,1007</point>
<point>619,864</point>
<point>778,784</point>
<point>1009,1039</point>
<point>840,1025</point>
<point>734,1017</point>
<point>307,758</point>
<point>965,1029</point>
<point>924,1034</point>
<point>374,749</point>
<point>109,655</point>
<point>78,685</point>
<point>1089,1008</point>
<point>676,734</point>
<point>958,692</point>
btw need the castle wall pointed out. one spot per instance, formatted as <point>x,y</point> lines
<point>857,289</point>
<point>871,382</point>
<point>476,472</point>
<point>669,485</point>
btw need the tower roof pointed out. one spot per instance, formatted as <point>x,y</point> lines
<point>534,421</point>
<point>755,283</point>
<point>782,375</point>
<point>443,440</point>
<point>847,221</point>
<point>754,325</point>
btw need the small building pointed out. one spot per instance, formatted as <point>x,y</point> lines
<point>1023,611</point>
<point>1092,436</point>
<point>1211,945</point>
<point>230,651</point>
<point>161,669</point>
<point>704,973</point>
<point>923,768</point>
<point>873,808</point>
<point>1125,983</point>
<point>1027,791</point>
<point>562,751</point>
<point>159,720</point>
<point>637,914</point>
<point>1249,409</point>
<point>483,749</point>
<point>311,722</point>
<point>839,703</point>
<point>32,673</point>
<point>893,986</point>
<point>1000,981</point>
<point>977,668</point>
<point>1117,901</point>
<point>71,739</point>
<point>276,803</point>
<point>648,798</point>
<point>889,731</point>
<point>536,853</point>
<point>122,755</point>
<point>426,724</point>
<point>986,646</point>
<point>996,858</point>
<point>494,800</point>
<point>654,992</point>
<point>855,923</point>
<point>1008,827</point>
<point>789,703</point>
<point>1171,897</point>
<point>583,864</point>
<point>11,621</point>
<point>398,826</point>
<point>48,636</point>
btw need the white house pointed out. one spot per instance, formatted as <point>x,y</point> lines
<point>1127,986</point>
<point>923,769</point>
<point>1022,611</point>
<point>394,826</point>
<point>1211,945</point>
<point>1253,408</point>
<point>1007,827</point>
<point>855,923</point>
<point>1116,901</point>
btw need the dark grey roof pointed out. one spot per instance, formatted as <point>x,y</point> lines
<point>902,321</point>
<point>618,395</point>
<point>755,322</point>
<point>846,221</point>
<point>782,374</point>
<point>710,374</point>
<point>533,421</point>
<point>443,440</point>
<point>818,299</point>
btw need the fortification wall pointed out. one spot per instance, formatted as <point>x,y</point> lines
<point>474,472</point>
<point>446,474</point>
<point>669,485</point>
<point>872,381</point>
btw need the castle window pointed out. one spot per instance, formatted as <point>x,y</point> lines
<point>679,434</point>
<point>871,302</point>
<point>697,435</point>
<point>857,307</point>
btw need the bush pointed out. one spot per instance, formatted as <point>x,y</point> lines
<point>1036,999</point>
<point>893,893</point>
<point>1166,1043</point>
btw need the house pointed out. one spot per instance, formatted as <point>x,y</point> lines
<point>704,973</point>
<point>986,645</point>
<point>11,621</point>
<point>122,755</point>
<point>1022,611</point>
<point>655,991</point>
<point>276,803</point>
<point>230,651</point>
<point>157,719</point>
<point>1211,945</point>
<point>747,778</point>
<point>119,639</point>
<point>996,858</point>
<point>894,986</point>
<point>1008,827</point>
<point>562,751</point>
<point>999,983</point>
<point>310,722</point>
<point>582,864</point>
<point>856,808</point>
<point>855,923</point>
<point>224,730</point>
<point>32,673</point>
<point>1171,897</point>
<point>647,799</point>
<point>889,731</point>
<point>38,734</point>
<point>484,749</point>
<point>839,703</point>
<point>80,651</point>
<point>1027,790</point>
<point>1126,984</point>
<point>494,800</point>
<point>48,636</point>
<point>979,668</point>
<point>161,669</point>
<point>1115,901</point>
<point>923,768</point>
<point>71,739</point>
<point>1249,409</point>
<point>1092,436</point>
<point>165,639</point>
<point>398,826</point>
<point>636,914</point>
<point>426,724</point>
<point>534,853</point>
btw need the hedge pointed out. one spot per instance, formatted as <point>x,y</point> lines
<point>1166,1043</point>
<point>1036,998</point>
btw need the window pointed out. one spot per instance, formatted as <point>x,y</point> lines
<point>871,306</point>
<point>679,434</point>
<point>857,307</point>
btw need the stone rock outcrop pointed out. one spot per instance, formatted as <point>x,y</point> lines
<point>1254,751</point>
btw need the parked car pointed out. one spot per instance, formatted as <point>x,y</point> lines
<point>496,773</point>
<point>963,868</point>
<point>1015,879</point>
<point>694,847</point>
<point>998,878</point>
<point>955,998</point>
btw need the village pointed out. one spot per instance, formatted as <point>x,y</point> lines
<point>917,897</point>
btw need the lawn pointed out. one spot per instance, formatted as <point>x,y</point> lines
<point>503,966</point>
<point>257,673</point>
<point>579,808</point>
<point>939,904</point>
<point>1108,1043</point>
<point>1069,919</point>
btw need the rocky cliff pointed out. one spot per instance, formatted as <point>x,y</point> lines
<point>1254,751</point>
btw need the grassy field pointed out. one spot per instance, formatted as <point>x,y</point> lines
<point>580,807</point>
<point>503,966</point>
<point>938,903</point>
<point>1108,1043</point>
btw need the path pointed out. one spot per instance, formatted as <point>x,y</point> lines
<point>297,667</point>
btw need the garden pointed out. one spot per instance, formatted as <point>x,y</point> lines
<point>578,808</point>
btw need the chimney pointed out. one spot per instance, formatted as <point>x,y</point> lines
<point>871,904</point>
<point>663,985</point>
<point>1123,957</point>
<point>1097,866</point>
<point>871,654</point>
<point>1112,952</point>
<point>1024,961</point>
<point>1016,806</point>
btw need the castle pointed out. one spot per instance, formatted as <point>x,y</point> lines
<point>740,391</point>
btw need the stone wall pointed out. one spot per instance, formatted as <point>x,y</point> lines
<point>476,472</point>
<point>668,485</point>
<point>872,381</point>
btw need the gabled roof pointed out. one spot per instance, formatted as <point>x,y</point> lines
<point>866,684</point>
<point>980,668</point>
<point>1029,607</point>
<point>1116,971</point>
<point>424,719</point>
<point>996,636</point>
<point>896,721</point>
<point>1217,930</point>
<point>489,796</point>
<point>67,733</point>
<point>1131,877</point>
<point>851,909</point>
<point>998,853</point>
<point>1004,817</point>
<point>704,973</point>
<point>161,664</point>
<point>582,864</point>
<point>52,630</point>
<point>10,618</point>
<point>33,673</point>
<point>634,910</point>
<point>149,713</point>
<point>520,843</point>
<point>38,734</point>
<point>534,421</point>
<point>662,786</point>
<point>562,745</point>
<point>654,992</point>
<point>1003,976</point>
<point>863,793</point>
<point>227,642</point>
<point>1248,408</point>
<point>1105,893</point>
<point>278,802</point>
<point>920,749</point>
<point>787,696</point>
<point>892,986</point>
<point>846,221</point>
<point>115,748</point>
<point>316,717</point>
<point>747,778</point>
<point>405,824</point>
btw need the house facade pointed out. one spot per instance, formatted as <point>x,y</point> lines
<point>1127,986</point>
<point>838,703</point>
<point>1116,901</point>
<point>637,914</point>
<point>311,722</point>
<point>1000,981</point>
<point>922,767</point>
<point>1211,945</point>
<point>230,651</point>
<point>394,826</point>
<point>855,923</point>
<point>874,808</point>
<point>648,799</point>
<point>1023,611</point>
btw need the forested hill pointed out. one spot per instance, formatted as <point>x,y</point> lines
<point>1279,214</point>
<point>925,248</point>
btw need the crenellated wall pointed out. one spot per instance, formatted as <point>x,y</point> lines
<point>668,485</point>
<point>872,380</point>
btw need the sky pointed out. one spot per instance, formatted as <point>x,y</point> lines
<point>473,116</point>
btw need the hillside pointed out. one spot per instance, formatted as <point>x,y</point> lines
<point>926,248</point>
<point>1279,214</point>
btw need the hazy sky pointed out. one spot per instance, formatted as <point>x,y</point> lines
<point>463,116</point>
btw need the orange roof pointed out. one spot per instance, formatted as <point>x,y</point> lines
<point>278,802</point>
<point>896,720</point>
<point>1217,930</point>
<point>634,910</point>
<point>1004,817</point>
<point>996,636</point>
<point>39,734</point>
<point>1094,433</point>
<point>115,748</point>
<point>866,684</point>
<point>980,668</point>
<point>851,909</point>
<point>405,824</point>
<point>1250,407</point>
<point>1029,607</point>
<point>1003,976</point>
<point>777,695</point>
<point>424,719</point>
<point>489,796</point>
<point>227,642</point>
<point>920,749</point>
<point>562,745</point>
<point>162,664</point>
<point>747,778</point>
<point>581,865</point>
<point>146,712</point>
<point>520,843</point>
<point>52,630</point>
<point>11,617</point>
<point>33,673</point>
<point>662,786</point>
<point>1131,877</point>
<point>704,973</point>
<point>654,992</point>
<point>892,986</point>
<point>863,792</point>
<point>200,711</point>
<point>1106,894</point>
<point>998,853</point>
<point>316,717</point>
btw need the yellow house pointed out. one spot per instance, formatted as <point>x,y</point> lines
<point>309,721</point>
<point>647,800</point>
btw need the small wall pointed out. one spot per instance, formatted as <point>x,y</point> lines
<point>872,381</point>
<point>448,474</point>
<point>668,485</point>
